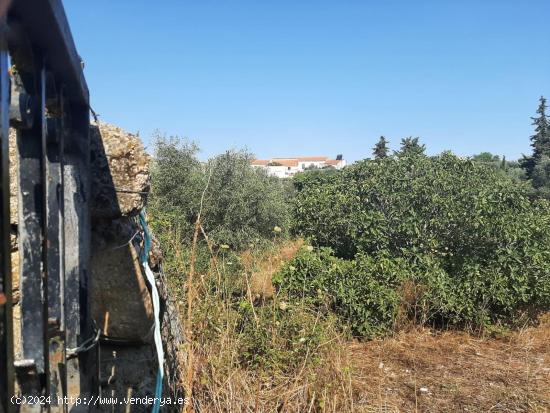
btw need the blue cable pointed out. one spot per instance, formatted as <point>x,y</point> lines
<point>156,308</point>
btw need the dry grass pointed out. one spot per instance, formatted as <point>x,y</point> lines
<point>262,268</point>
<point>417,371</point>
<point>316,386</point>
<point>452,371</point>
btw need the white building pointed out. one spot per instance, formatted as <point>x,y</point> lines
<point>287,167</point>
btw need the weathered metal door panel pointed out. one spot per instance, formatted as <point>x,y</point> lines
<point>44,96</point>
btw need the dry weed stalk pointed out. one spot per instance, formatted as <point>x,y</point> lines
<point>190,297</point>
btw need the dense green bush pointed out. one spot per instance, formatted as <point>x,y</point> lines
<point>241,205</point>
<point>466,236</point>
<point>363,291</point>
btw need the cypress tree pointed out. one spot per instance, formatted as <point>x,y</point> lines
<point>380,150</point>
<point>540,141</point>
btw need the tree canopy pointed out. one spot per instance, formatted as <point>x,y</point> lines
<point>410,147</point>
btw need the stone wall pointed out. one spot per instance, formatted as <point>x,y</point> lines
<point>120,300</point>
<point>121,303</point>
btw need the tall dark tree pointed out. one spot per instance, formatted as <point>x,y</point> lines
<point>540,141</point>
<point>410,147</point>
<point>381,149</point>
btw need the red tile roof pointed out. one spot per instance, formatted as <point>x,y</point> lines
<point>259,162</point>
<point>284,162</point>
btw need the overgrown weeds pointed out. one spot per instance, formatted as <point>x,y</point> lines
<point>257,353</point>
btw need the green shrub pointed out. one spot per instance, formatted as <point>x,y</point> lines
<point>467,236</point>
<point>363,292</point>
<point>240,205</point>
<point>244,204</point>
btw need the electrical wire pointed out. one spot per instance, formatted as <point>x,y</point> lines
<point>156,309</point>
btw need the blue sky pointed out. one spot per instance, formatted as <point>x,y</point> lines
<point>285,78</point>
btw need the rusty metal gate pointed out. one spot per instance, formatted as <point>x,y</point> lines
<point>44,97</point>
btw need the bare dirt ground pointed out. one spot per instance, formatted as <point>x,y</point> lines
<point>427,371</point>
